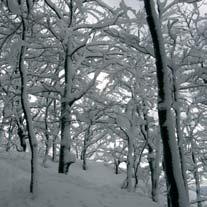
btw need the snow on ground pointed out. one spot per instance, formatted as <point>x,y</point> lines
<point>97,187</point>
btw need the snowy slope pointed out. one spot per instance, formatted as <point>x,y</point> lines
<point>97,187</point>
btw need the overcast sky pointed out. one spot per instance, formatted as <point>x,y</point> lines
<point>131,3</point>
<point>134,4</point>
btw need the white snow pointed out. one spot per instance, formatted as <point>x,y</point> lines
<point>97,187</point>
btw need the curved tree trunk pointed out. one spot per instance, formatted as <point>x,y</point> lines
<point>137,164</point>
<point>27,115</point>
<point>176,188</point>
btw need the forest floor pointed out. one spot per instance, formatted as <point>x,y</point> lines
<point>96,187</point>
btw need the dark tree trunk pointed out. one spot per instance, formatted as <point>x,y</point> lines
<point>129,164</point>
<point>152,162</point>
<point>116,166</point>
<point>178,126</point>
<point>154,179</point>
<point>84,166</point>
<point>66,111</point>
<point>176,192</point>
<point>22,138</point>
<point>54,149</point>
<point>28,116</point>
<point>55,136</point>
<point>61,160</point>
<point>85,146</point>
<point>137,164</point>
<point>65,136</point>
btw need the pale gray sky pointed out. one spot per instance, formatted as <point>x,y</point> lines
<point>132,3</point>
<point>135,4</point>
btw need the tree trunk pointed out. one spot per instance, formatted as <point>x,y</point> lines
<point>22,138</point>
<point>55,135</point>
<point>19,118</point>
<point>47,148</point>
<point>154,179</point>
<point>76,152</point>
<point>54,148</point>
<point>84,166</point>
<point>47,141</point>
<point>156,172</point>
<point>28,117</point>
<point>178,128</point>
<point>196,174</point>
<point>176,188</point>
<point>10,130</point>
<point>137,164</point>
<point>181,147</point>
<point>116,166</point>
<point>129,164</point>
<point>2,125</point>
<point>197,181</point>
<point>66,111</point>
<point>153,159</point>
<point>85,146</point>
<point>65,136</point>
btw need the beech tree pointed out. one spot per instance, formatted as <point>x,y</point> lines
<point>23,14</point>
<point>177,194</point>
<point>76,40</point>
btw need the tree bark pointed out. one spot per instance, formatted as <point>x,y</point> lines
<point>176,188</point>
<point>65,136</point>
<point>84,166</point>
<point>55,136</point>
<point>28,117</point>
<point>153,159</point>
<point>156,172</point>
<point>21,133</point>
<point>197,180</point>
<point>137,164</point>
<point>66,111</point>
<point>47,141</point>
<point>54,148</point>
<point>116,166</point>
<point>129,164</point>
<point>178,127</point>
<point>85,146</point>
<point>10,130</point>
<point>195,171</point>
